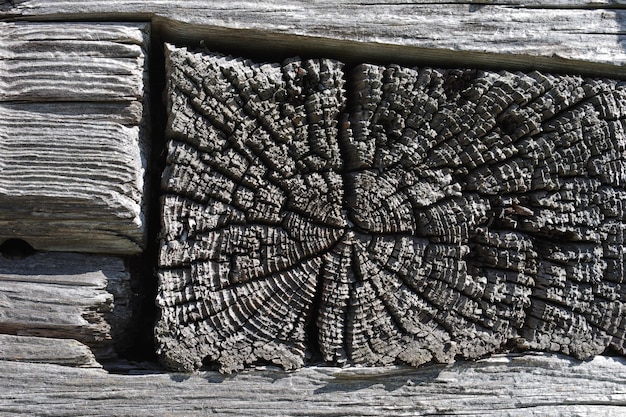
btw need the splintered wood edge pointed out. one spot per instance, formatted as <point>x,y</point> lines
<point>54,307</point>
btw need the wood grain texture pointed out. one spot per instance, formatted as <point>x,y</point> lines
<point>249,121</point>
<point>432,214</point>
<point>33,349</point>
<point>71,133</point>
<point>586,41</point>
<point>528,386</point>
<point>567,35</point>
<point>85,298</point>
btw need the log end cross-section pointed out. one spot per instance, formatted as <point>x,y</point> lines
<point>408,215</point>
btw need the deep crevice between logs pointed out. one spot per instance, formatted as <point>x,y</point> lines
<point>140,349</point>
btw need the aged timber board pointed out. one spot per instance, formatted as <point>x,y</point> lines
<point>64,308</point>
<point>72,130</point>
<point>409,215</point>
<point>532,385</point>
<point>563,35</point>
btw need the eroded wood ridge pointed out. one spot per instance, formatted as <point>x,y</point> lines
<point>72,154</point>
<point>438,214</point>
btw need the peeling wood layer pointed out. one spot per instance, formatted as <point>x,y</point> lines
<point>33,349</point>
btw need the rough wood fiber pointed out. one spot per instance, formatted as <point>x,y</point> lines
<point>83,299</point>
<point>528,386</point>
<point>236,127</point>
<point>442,214</point>
<point>558,35</point>
<point>68,352</point>
<point>72,160</point>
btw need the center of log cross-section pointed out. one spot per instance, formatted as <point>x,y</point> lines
<point>412,215</point>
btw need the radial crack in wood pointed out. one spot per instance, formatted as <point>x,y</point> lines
<point>443,214</point>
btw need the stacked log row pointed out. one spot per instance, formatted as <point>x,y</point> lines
<point>72,161</point>
<point>71,133</point>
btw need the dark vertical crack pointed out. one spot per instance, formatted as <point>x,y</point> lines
<point>312,327</point>
<point>347,155</point>
<point>141,347</point>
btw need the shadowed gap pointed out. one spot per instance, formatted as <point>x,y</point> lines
<point>143,267</point>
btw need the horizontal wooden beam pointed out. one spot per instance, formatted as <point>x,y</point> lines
<point>71,134</point>
<point>530,385</point>
<point>566,35</point>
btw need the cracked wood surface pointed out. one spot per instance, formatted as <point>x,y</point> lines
<point>432,214</point>
<point>71,134</point>
<point>526,386</point>
<point>570,38</point>
<point>566,35</point>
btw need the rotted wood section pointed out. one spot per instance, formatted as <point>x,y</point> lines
<point>408,215</point>
<point>72,144</point>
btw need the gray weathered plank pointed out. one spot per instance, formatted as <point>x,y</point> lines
<point>572,35</point>
<point>65,296</point>
<point>530,385</point>
<point>89,62</point>
<point>71,134</point>
<point>68,352</point>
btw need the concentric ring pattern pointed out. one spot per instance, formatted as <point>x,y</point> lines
<point>408,215</point>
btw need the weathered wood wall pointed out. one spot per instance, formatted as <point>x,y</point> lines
<point>85,115</point>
